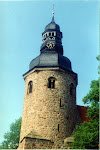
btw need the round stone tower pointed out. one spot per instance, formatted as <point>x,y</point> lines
<point>49,110</point>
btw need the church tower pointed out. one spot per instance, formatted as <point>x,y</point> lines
<point>49,109</point>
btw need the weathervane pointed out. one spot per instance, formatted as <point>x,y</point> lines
<point>53,14</point>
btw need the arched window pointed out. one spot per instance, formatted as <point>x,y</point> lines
<point>51,82</point>
<point>49,34</point>
<point>71,89</point>
<point>52,33</point>
<point>30,86</point>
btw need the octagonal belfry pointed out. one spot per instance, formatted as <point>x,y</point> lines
<point>49,109</point>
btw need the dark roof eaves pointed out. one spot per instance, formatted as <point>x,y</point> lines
<point>70,71</point>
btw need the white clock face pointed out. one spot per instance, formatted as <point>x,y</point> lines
<point>50,45</point>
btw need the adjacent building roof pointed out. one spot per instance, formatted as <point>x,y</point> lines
<point>83,113</point>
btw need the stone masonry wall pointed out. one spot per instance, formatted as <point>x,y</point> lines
<point>31,143</point>
<point>42,113</point>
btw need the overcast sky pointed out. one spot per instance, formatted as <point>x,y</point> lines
<point>21,27</point>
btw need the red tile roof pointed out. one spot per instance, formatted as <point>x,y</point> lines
<point>83,113</point>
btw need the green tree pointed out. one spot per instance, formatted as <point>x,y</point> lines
<point>93,98</point>
<point>12,137</point>
<point>87,134</point>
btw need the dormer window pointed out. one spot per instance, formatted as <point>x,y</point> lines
<point>51,82</point>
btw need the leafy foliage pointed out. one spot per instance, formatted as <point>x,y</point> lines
<point>12,137</point>
<point>98,58</point>
<point>93,98</point>
<point>87,134</point>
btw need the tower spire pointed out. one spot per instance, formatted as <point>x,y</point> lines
<point>53,14</point>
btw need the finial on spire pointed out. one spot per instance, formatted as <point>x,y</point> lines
<point>53,10</point>
<point>53,14</point>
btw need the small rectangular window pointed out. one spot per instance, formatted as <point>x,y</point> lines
<point>58,127</point>
<point>60,102</point>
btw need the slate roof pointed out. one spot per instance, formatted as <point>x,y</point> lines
<point>52,26</point>
<point>51,60</point>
